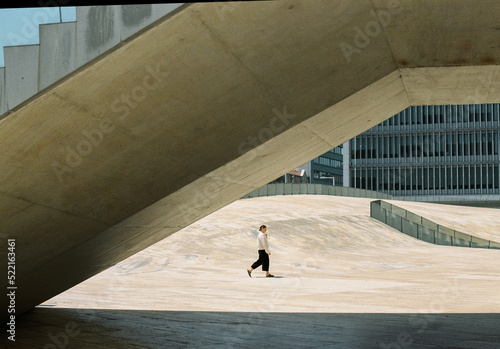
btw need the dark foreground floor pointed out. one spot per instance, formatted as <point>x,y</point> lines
<point>50,328</point>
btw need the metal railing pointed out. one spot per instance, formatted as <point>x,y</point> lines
<point>423,229</point>
<point>314,189</point>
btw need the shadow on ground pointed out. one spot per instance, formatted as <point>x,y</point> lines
<point>50,328</point>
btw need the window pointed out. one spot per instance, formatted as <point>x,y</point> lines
<point>466,177</point>
<point>496,176</point>
<point>495,142</point>
<point>490,176</point>
<point>466,143</point>
<point>461,177</point>
<point>442,178</point>
<point>460,143</point>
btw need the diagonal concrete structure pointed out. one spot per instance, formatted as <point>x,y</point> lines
<point>200,109</point>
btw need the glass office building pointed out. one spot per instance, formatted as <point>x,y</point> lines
<point>326,168</point>
<point>429,150</point>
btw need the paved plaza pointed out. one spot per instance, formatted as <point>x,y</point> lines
<point>345,281</point>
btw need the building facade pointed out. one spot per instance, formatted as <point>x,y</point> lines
<point>327,168</point>
<point>429,151</point>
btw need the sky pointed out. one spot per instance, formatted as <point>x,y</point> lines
<point>20,26</point>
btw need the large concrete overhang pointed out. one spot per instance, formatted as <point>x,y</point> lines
<point>209,104</point>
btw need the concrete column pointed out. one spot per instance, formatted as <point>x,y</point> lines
<point>346,163</point>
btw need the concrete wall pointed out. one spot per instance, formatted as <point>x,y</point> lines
<point>58,52</point>
<point>64,47</point>
<point>21,73</point>
<point>313,189</point>
<point>423,229</point>
<point>3,101</point>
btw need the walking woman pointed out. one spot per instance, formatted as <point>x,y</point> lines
<point>264,253</point>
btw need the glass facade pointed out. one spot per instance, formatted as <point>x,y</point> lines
<point>328,168</point>
<point>430,150</point>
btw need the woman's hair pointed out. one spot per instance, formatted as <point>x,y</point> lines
<point>262,227</point>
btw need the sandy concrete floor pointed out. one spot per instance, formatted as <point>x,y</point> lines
<point>345,281</point>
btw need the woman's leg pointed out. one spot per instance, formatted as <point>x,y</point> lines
<point>265,262</point>
<point>256,264</point>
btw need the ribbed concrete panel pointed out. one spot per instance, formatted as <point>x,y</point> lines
<point>98,30</point>
<point>133,18</point>
<point>21,73</point>
<point>58,52</point>
<point>3,102</point>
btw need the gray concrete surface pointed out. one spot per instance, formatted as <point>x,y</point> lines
<point>21,76</point>
<point>347,281</point>
<point>58,53</point>
<point>3,101</point>
<point>208,105</point>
